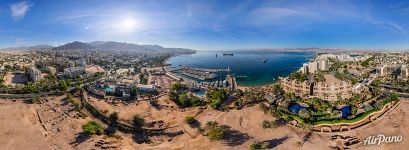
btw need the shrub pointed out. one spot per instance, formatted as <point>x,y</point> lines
<point>266,124</point>
<point>263,108</point>
<point>92,128</point>
<point>178,87</point>
<point>63,85</point>
<point>185,100</point>
<point>113,117</point>
<point>211,124</point>
<point>190,120</point>
<point>201,130</point>
<point>215,104</point>
<point>216,134</point>
<point>36,100</point>
<point>257,146</point>
<point>304,113</point>
<point>138,121</point>
<point>113,122</point>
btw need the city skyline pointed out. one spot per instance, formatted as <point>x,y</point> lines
<point>208,25</point>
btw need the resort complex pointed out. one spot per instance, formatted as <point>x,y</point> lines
<point>331,89</point>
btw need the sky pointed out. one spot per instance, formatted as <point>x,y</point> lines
<point>208,24</point>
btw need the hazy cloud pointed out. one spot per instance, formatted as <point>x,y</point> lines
<point>388,24</point>
<point>19,9</point>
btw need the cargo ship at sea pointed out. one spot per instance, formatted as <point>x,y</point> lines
<point>228,54</point>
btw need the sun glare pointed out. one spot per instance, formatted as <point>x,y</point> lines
<point>128,25</point>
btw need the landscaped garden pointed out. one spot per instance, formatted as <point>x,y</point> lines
<point>315,111</point>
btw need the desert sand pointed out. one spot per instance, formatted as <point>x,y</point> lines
<point>21,129</point>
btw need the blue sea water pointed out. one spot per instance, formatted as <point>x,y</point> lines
<point>246,63</point>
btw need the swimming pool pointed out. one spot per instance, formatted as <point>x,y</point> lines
<point>199,93</point>
<point>345,111</point>
<point>295,107</point>
<point>108,89</point>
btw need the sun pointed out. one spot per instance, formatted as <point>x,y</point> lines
<point>128,25</point>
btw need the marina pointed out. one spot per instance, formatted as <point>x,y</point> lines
<point>249,68</point>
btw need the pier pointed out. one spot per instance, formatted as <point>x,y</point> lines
<point>206,69</point>
<point>241,76</point>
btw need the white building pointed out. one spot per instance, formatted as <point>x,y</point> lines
<point>404,71</point>
<point>315,66</point>
<point>383,71</point>
<point>52,70</point>
<point>323,65</point>
<point>74,71</point>
<point>146,88</point>
<point>304,68</point>
<point>34,73</point>
<point>82,63</point>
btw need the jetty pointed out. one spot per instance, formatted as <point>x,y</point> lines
<point>206,69</point>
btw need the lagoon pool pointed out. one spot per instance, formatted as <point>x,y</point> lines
<point>345,111</point>
<point>295,107</point>
<point>108,89</point>
<point>199,93</point>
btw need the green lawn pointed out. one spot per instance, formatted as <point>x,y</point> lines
<point>356,119</point>
<point>333,121</point>
<point>290,116</point>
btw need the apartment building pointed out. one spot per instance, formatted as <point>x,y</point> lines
<point>35,74</point>
<point>75,71</point>
<point>315,66</point>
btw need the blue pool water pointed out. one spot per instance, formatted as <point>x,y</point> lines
<point>295,107</point>
<point>199,93</point>
<point>345,111</point>
<point>109,89</point>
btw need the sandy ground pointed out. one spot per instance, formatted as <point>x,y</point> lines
<point>168,113</point>
<point>247,124</point>
<point>94,69</point>
<point>15,79</point>
<point>394,123</point>
<point>24,131</point>
<point>245,128</point>
<point>20,127</point>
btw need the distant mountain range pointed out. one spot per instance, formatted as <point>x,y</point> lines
<point>74,46</point>
<point>27,48</point>
<point>104,45</point>
<point>120,46</point>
